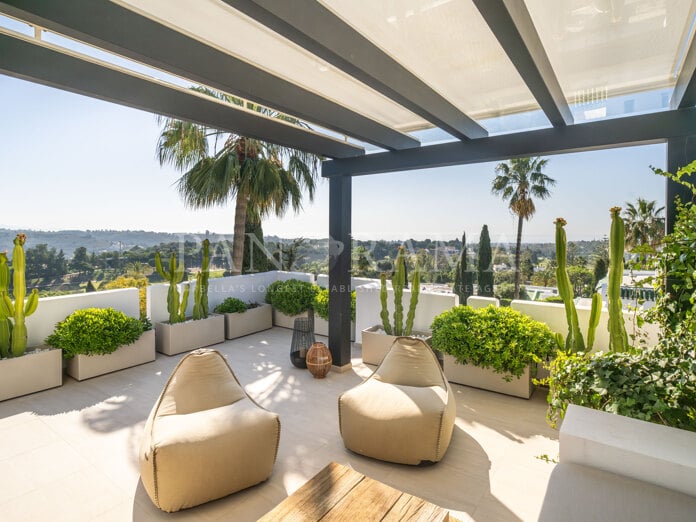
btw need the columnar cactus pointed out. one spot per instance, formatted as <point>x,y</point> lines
<point>175,274</point>
<point>18,310</point>
<point>618,339</point>
<point>398,283</point>
<point>200,294</point>
<point>5,323</point>
<point>574,341</point>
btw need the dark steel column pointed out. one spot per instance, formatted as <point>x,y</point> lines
<point>680,152</point>
<point>340,201</point>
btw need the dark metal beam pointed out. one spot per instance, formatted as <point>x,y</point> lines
<point>111,27</point>
<point>38,62</point>
<point>512,25</point>
<point>605,134</point>
<point>680,152</point>
<point>340,202</point>
<point>312,26</point>
<point>684,94</point>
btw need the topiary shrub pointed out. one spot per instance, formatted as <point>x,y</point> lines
<point>94,331</point>
<point>232,305</point>
<point>291,297</point>
<point>553,299</point>
<point>321,304</point>
<point>501,339</point>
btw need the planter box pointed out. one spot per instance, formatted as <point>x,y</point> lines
<point>142,351</point>
<point>487,379</point>
<point>171,339</point>
<point>286,321</point>
<point>321,327</point>
<point>37,370</point>
<point>376,345</point>
<point>244,323</point>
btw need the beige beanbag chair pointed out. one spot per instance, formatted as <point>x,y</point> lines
<point>205,438</point>
<point>404,412</point>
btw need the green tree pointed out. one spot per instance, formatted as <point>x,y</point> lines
<point>645,226</point>
<point>255,256</point>
<point>599,270</point>
<point>485,268</point>
<point>518,181</point>
<point>527,265</point>
<point>464,278</point>
<point>261,177</point>
<point>80,261</point>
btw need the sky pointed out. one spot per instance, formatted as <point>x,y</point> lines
<point>72,162</point>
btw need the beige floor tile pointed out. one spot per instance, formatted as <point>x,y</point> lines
<point>24,437</point>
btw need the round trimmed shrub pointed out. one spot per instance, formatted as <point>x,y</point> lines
<point>231,305</point>
<point>499,338</point>
<point>95,331</point>
<point>321,304</point>
<point>291,297</point>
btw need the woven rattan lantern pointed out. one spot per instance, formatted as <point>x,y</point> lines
<point>319,360</point>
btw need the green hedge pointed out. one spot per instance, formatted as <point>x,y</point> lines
<point>321,304</point>
<point>95,331</point>
<point>498,338</point>
<point>291,297</point>
<point>231,305</point>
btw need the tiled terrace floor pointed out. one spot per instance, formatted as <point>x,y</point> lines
<point>71,453</point>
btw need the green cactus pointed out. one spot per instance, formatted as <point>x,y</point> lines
<point>18,309</point>
<point>618,339</point>
<point>5,323</point>
<point>398,283</point>
<point>574,341</point>
<point>175,274</point>
<point>200,294</point>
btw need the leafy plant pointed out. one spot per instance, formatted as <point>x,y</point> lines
<point>95,331</point>
<point>140,283</point>
<point>507,291</point>
<point>501,339</point>
<point>321,304</point>
<point>291,297</point>
<point>231,305</point>
<point>553,299</point>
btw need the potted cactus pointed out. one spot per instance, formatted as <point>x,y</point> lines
<point>22,371</point>
<point>377,339</point>
<point>244,318</point>
<point>180,334</point>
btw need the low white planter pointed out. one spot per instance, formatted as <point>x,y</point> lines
<point>253,320</point>
<point>171,339</point>
<point>487,379</point>
<point>286,321</point>
<point>376,345</point>
<point>142,351</point>
<point>321,327</point>
<point>38,369</point>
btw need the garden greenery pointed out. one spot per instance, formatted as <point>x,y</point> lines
<point>498,338</point>
<point>321,304</point>
<point>232,305</point>
<point>291,297</point>
<point>95,331</point>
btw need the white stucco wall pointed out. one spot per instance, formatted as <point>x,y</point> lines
<point>323,281</point>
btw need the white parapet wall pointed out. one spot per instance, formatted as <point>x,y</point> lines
<point>52,310</point>
<point>323,281</point>
<point>368,307</point>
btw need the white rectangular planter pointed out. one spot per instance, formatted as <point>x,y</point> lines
<point>142,351</point>
<point>37,370</point>
<point>487,379</point>
<point>321,327</point>
<point>286,321</point>
<point>171,339</point>
<point>376,345</point>
<point>244,323</point>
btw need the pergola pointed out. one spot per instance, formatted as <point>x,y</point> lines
<point>370,74</point>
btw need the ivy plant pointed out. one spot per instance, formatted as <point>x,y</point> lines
<point>321,304</point>
<point>291,297</point>
<point>498,338</point>
<point>95,331</point>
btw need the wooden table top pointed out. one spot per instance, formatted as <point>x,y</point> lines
<point>341,493</point>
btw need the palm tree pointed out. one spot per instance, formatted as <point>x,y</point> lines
<point>644,224</point>
<point>261,177</point>
<point>517,181</point>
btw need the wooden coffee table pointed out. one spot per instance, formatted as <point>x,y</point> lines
<point>341,493</point>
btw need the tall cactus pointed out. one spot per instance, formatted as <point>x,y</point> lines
<point>574,341</point>
<point>200,294</point>
<point>174,275</point>
<point>618,339</point>
<point>5,323</point>
<point>398,283</point>
<point>18,310</point>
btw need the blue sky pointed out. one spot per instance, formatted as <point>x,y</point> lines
<point>71,162</point>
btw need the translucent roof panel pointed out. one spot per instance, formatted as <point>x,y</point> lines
<point>216,24</point>
<point>447,44</point>
<point>613,47</point>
